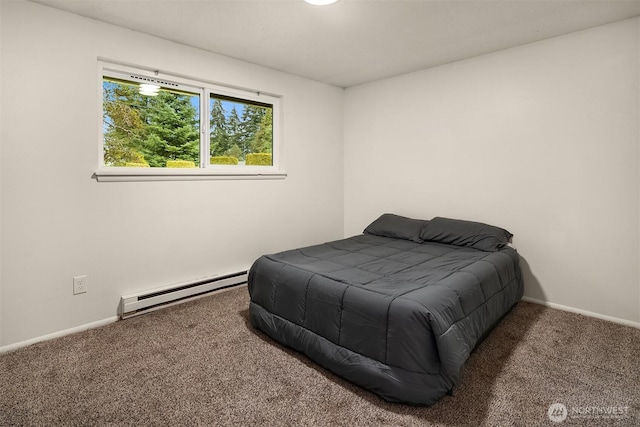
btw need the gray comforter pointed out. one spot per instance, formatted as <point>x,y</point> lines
<point>396,317</point>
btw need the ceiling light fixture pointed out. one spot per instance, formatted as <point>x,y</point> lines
<point>320,2</point>
<point>149,90</point>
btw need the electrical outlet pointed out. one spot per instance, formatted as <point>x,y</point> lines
<point>80,284</point>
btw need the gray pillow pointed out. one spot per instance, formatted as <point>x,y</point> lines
<point>399,227</point>
<point>465,233</point>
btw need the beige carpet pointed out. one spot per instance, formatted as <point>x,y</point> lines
<point>201,363</point>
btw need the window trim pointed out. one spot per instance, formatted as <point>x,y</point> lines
<point>120,174</point>
<point>204,171</point>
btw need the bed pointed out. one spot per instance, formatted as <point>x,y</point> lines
<point>396,310</point>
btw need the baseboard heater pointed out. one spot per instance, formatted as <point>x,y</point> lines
<point>143,302</point>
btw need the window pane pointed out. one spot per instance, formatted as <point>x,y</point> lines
<point>147,126</point>
<point>241,132</point>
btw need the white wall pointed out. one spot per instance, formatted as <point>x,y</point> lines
<point>58,222</point>
<point>1,135</point>
<point>542,139</point>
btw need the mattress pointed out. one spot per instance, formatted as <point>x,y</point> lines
<point>398,316</point>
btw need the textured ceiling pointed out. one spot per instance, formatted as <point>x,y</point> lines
<point>353,41</point>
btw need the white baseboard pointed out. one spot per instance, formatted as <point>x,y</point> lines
<point>58,334</point>
<point>583,312</point>
<point>109,320</point>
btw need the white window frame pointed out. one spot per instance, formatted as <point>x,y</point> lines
<point>205,171</point>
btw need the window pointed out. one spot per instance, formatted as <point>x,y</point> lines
<point>158,126</point>
<point>241,131</point>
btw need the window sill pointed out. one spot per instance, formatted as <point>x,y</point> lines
<point>144,174</point>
